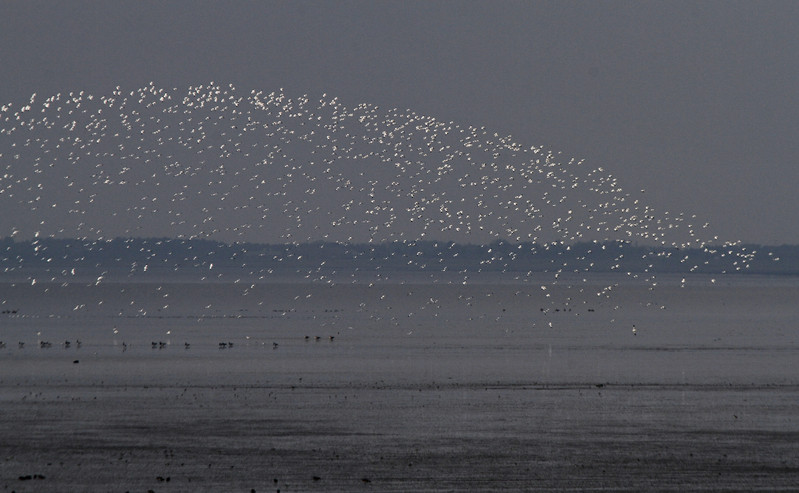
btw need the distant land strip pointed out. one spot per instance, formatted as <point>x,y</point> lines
<point>140,255</point>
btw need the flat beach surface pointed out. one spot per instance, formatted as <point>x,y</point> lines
<point>424,386</point>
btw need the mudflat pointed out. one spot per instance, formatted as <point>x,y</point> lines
<point>696,399</point>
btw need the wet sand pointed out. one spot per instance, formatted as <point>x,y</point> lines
<point>408,409</point>
<point>85,436</point>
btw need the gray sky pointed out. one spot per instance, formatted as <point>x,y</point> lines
<point>693,101</point>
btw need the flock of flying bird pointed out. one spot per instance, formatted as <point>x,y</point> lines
<point>211,162</point>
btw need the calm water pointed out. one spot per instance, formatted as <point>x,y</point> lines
<point>737,330</point>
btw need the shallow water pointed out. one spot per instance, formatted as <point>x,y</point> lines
<point>431,386</point>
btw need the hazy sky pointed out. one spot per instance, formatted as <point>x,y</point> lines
<point>695,102</point>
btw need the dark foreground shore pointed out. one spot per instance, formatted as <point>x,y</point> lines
<point>81,434</point>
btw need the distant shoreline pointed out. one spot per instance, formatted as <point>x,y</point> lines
<point>58,258</point>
